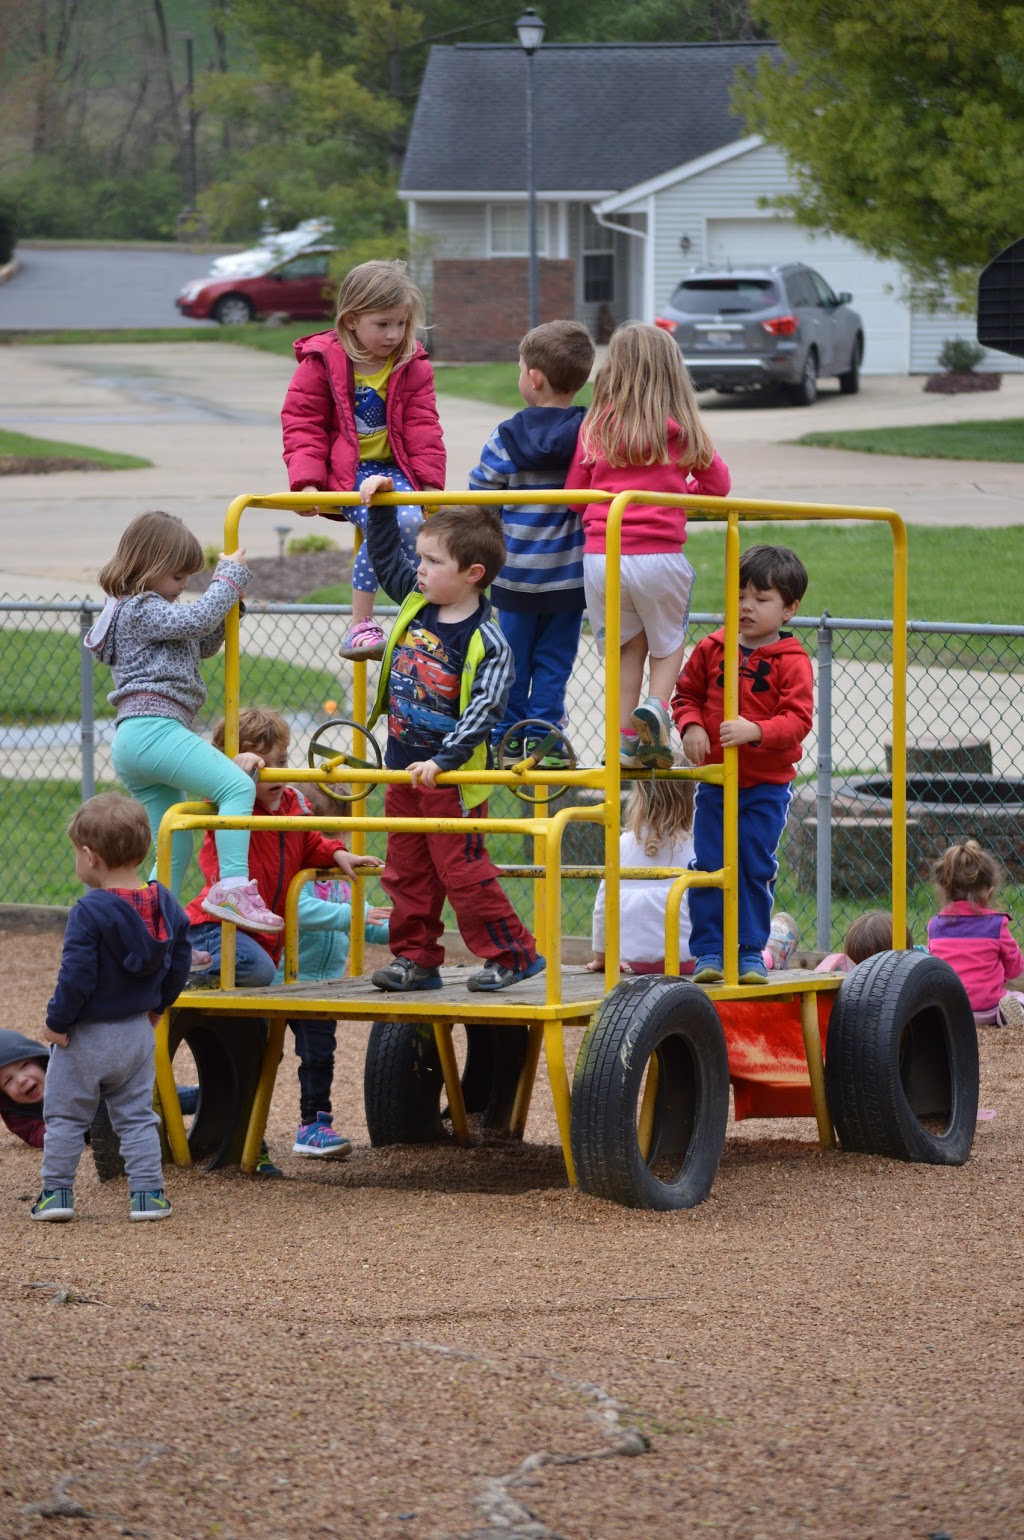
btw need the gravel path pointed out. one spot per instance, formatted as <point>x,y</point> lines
<point>446,1344</point>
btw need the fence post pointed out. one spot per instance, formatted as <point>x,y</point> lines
<point>823,872</point>
<point>88,732</point>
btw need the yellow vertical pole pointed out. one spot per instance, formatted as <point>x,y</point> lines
<point>816,1067</point>
<point>264,1092</point>
<point>527,1079</point>
<point>613,701</point>
<point>645,1122</point>
<point>899,734</point>
<point>452,1083</point>
<point>554,1053</point>
<point>174,1123</point>
<point>730,783</point>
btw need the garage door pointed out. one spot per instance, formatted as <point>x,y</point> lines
<point>874,285</point>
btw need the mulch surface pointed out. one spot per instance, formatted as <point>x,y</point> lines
<point>288,579</point>
<point>43,465</point>
<point>443,1343</point>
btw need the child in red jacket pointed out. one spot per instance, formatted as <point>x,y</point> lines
<point>776,700</point>
<point>360,416</point>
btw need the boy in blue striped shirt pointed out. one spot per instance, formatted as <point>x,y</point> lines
<point>538,594</point>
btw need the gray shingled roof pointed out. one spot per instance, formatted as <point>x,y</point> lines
<point>607,115</point>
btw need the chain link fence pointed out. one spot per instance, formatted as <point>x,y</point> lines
<point>965,728</point>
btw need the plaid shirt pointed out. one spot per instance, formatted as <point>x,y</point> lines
<point>147,904</point>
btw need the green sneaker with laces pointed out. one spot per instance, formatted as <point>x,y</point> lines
<point>150,1205</point>
<point>56,1204</point>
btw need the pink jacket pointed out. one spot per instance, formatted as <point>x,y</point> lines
<point>645,529</point>
<point>321,446</point>
<point>977,944</point>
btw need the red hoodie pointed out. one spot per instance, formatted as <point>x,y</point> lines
<point>275,855</point>
<point>776,691</point>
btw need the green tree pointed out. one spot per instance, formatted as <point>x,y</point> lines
<point>904,127</point>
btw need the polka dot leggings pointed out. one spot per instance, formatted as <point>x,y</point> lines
<point>410,522</point>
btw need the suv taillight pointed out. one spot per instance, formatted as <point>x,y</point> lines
<point>665,324</point>
<point>782,326</point>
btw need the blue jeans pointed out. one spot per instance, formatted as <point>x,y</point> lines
<point>544,649</point>
<point>254,967</point>
<point>762,818</point>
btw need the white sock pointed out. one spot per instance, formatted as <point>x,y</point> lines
<point>233,882</point>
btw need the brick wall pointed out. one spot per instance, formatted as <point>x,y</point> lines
<point>482,307</point>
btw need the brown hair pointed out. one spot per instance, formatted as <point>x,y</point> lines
<point>379,286</point>
<point>966,873</point>
<point>470,535</point>
<point>563,351</point>
<point>321,801</point>
<point>153,545</point>
<point>114,827</point>
<point>870,933</point>
<point>259,731</point>
<point>774,566</point>
<point>659,811</point>
<point>641,384</point>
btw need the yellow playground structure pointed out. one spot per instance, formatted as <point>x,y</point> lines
<point>885,1056</point>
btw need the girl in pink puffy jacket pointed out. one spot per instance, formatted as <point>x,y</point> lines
<point>974,939</point>
<point>360,416</point>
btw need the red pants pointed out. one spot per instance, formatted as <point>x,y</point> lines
<point>422,870</point>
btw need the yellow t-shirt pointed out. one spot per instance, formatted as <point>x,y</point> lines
<point>372,412</point>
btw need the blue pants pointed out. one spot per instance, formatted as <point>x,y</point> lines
<point>160,762</point>
<point>410,522</point>
<point>544,648</point>
<point>762,818</point>
<point>254,966</point>
<point>314,1048</point>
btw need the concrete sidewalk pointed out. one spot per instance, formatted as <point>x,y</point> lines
<point>207,416</point>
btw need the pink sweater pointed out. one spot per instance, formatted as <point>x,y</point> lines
<point>978,945</point>
<point>646,529</point>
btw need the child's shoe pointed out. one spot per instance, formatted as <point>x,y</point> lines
<point>1010,1012</point>
<point>654,734</point>
<point>708,969</point>
<point>242,906</point>
<point>511,754</point>
<point>56,1204</point>
<point>783,939</point>
<point>319,1139</point>
<point>364,639</point>
<point>149,1205</point>
<point>752,969</point>
<point>494,976</point>
<point>201,962</point>
<point>403,974</point>
<point>264,1165</point>
<point>629,759</point>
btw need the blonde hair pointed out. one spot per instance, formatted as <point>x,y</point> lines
<point>114,827</point>
<point>967,874</point>
<point>641,384</point>
<point>870,933</point>
<point>657,813</point>
<point>153,545</point>
<point>260,730</point>
<point>379,286</point>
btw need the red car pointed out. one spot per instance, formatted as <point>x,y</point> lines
<point>299,286</point>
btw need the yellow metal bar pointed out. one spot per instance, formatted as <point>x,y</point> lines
<point>683,882</point>
<point>816,1069</point>
<point>174,1123</point>
<point>899,734</point>
<point>554,1053</point>
<point>645,1122</point>
<point>612,809</point>
<point>452,1082</point>
<point>264,1092</point>
<point>527,1079</point>
<point>730,757</point>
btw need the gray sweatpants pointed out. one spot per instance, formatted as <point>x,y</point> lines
<point>110,1061</point>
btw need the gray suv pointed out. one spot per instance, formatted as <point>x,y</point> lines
<point>762,326</point>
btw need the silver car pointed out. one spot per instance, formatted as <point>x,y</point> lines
<point>765,326</point>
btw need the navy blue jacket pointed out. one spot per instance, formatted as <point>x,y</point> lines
<point>111,966</point>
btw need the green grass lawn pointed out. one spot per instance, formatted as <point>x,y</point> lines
<point>24,447</point>
<point>1002,441</point>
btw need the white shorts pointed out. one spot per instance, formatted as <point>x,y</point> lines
<point>655,599</point>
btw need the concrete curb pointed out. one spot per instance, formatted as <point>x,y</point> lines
<point>33,917</point>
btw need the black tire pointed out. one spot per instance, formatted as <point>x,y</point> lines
<point>643,1019</point>
<point>849,383</point>
<point>403,1087</point>
<point>806,392</point>
<point>901,1061</point>
<point>105,1146</point>
<point>233,310</point>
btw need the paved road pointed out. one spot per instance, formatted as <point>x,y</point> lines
<point>79,287</point>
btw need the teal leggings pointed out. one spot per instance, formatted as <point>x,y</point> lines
<point>160,762</point>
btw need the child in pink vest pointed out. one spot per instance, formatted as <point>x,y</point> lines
<point>975,939</point>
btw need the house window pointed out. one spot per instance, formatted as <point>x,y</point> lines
<point>598,263</point>
<point>509,229</point>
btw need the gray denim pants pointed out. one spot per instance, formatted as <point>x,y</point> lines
<point>110,1061</point>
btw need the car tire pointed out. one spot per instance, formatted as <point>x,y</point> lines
<point>806,392</point>
<point>642,1020</point>
<point>233,310</point>
<point>403,1087</point>
<point>849,383</point>
<point>901,1061</point>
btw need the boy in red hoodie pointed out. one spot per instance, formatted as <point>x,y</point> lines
<point>776,703</point>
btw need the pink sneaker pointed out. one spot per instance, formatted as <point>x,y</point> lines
<point>243,907</point>
<point>363,639</point>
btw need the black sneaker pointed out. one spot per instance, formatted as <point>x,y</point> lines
<point>405,974</point>
<point>494,976</point>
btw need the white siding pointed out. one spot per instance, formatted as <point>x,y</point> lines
<point>928,332</point>
<point>451,229</point>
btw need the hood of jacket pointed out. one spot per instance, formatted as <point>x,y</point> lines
<point>327,345</point>
<point>141,952</point>
<point>15,1046</point>
<point>541,438</point>
<point>100,637</point>
<point>788,642</point>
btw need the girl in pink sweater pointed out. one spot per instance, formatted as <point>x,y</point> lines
<point>644,434</point>
<point>974,939</point>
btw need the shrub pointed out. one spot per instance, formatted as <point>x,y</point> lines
<point>310,545</point>
<point>8,228</point>
<point>211,556</point>
<point>959,355</point>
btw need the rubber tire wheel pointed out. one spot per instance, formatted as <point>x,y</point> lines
<point>233,310</point>
<point>902,1046</point>
<point>403,1087</point>
<point>806,392</point>
<point>674,1021</point>
<point>849,383</point>
<point>228,1053</point>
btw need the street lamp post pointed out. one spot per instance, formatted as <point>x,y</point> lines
<point>530,30</point>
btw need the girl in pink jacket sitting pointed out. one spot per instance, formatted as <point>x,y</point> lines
<point>360,416</point>
<point>644,433</point>
<point>975,939</point>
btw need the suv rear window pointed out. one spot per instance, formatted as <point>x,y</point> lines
<point>720,296</point>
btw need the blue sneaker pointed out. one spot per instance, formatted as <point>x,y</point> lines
<point>752,968</point>
<point>149,1205</point>
<point>495,976</point>
<point>56,1204</point>
<point>319,1140</point>
<point>264,1165</point>
<point>708,969</point>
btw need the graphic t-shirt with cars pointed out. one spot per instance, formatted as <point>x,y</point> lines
<point>424,685</point>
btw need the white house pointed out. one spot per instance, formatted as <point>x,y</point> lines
<point>642,172</point>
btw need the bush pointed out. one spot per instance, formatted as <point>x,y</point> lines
<point>959,355</point>
<point>8,228</point>
<point>310,545</point>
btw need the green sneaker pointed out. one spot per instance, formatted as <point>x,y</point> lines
<point>56,1204</point>
<point>264,1165</point>
<point>150,1205</point>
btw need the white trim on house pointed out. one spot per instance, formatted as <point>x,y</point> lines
<point>549,195</point>
<point>617,202</point>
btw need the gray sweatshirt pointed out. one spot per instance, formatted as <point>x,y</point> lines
<point>154,646</point>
